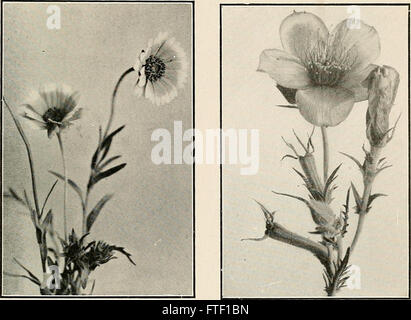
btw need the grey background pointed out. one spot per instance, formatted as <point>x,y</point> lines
<point>151,212</point>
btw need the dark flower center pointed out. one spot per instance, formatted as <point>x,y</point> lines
<point>154,68</point>
<point>328,63</point>
<point>53,115</point>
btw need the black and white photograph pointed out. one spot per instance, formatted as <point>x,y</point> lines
<point>326,213</point>
<point>91,207</point>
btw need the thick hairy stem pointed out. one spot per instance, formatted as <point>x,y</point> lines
<point>60,140</point>
<point>326,152</point>
<point>278,232</point>
<point>113,99</point>
<point>371,162</point>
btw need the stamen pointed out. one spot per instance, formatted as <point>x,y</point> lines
<point>53,117</point>
<point>154,68</point>
<point>328,63</point>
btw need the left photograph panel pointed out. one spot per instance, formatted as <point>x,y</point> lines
<point>97,193</point>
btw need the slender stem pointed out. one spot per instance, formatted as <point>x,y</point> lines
<point>84,227</point>
<point>326,152</point>
<point>339,248</point>
<point>60,140</point>
<point>29,155</point>
<point>369,175</point>
<point>113,98</point>
<point>33,178</point>
<point>110,120</point>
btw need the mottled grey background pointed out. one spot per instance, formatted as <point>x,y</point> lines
<point>151,212</point>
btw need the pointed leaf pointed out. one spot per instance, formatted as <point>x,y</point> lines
<point>331,178</point>
<point>13,195</point>
<point>269,216</point>
<point>35,281</point>
<point>105,145</point>
<point>27,270</point>
<point>47,198</point>
<point>72,184</point>
<point>123,251</point>
<point>291,196</point>
<point>105,174</point>
<point>47,221</point>
<point>91,218</point>
<point>375,196</point>
<point>107,162</point>
<point>358,163</point>
<point>357,197</point>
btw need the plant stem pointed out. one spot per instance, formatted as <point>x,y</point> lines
<point>113,98</point>
<point>60,140</point>
<point>33,178</point>
<point>84,227</point>
<point>280,233</point>
<point>371,161</point>
<point>326,152</point>
<point>29,155</point>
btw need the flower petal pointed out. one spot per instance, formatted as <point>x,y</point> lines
<point>142,79</point>
<point>284,68</point>
<point>138,91</point>
<point>354,82</point>
<point>149,92</point>
<point>363,42</point>
<point>325,106</point>
<point>300,31</point>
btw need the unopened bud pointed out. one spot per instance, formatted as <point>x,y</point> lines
<point>382,89</point>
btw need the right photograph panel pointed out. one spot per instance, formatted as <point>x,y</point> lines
<point>324,90</point>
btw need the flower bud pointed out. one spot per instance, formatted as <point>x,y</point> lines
<point>382,89</point>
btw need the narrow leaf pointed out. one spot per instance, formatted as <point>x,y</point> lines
<point>375,196</point>
<point>47,221</point>
<point>123,251</point>
<point>358,163</point>
<point>91,218</point>
<point>358,200</point>
<point>27,270</point>
<point>13,195</point>
<point>269,216</point>
<point>35,281</point>
<point>291,196</point>
<point>72,184</point>
<point>47,198</point>
<point>107,162</point>
<point>105,145</point>
<point>105,174</point>
<point>331,178</point>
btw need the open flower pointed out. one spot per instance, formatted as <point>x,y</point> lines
<point>162,69</point>
<point>52,108</point>
<point>320,70</point>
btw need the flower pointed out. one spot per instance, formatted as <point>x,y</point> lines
<point>320,70</point>
<point>383,84</point>
<point>52,108</point>
<point>162,69</point>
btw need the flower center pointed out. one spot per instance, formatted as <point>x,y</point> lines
<point>154,68</point>
<point>328,63</point>
<point>53,115</point>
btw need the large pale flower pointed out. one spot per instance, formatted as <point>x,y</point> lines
<point>162,70</point>
<point>322,71</point>
<point>52,108</point>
